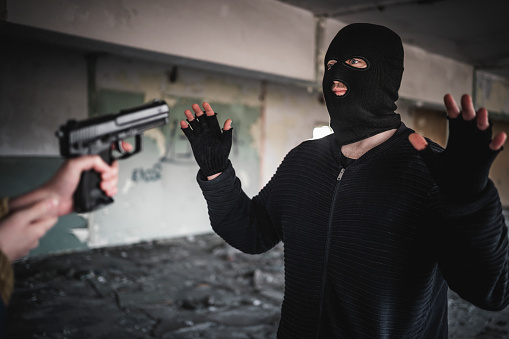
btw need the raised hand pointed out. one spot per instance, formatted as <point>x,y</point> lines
<point>461,170</point>
<point>210,145</point>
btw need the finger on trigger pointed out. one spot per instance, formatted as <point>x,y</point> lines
<point>127,146</point>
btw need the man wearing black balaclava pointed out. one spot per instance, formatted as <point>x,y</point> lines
<point>372,82</point>
<point>377,222</point>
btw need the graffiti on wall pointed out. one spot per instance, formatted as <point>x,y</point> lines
<point>147,174</point>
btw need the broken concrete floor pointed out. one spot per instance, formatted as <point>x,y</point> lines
<point>195,287</point>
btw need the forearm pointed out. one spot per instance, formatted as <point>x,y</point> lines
<point>234,216</point>
<point>28,199</point>
<point>213,176</point>
<point>475,252</point>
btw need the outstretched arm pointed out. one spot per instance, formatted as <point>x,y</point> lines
<point>241,221</point>
<point>63,184</point>
<point>32,214</point>
<point>473,250</point>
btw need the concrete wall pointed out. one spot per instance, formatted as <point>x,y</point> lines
<point>224,32</point>
<point>226,53</point>
<point>40,87</point>
<point>492,92</point>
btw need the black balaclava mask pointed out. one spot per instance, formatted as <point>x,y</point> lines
<point>368,106</point>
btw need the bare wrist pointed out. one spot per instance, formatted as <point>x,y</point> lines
<point>27,199</point>
<point>213,176</point>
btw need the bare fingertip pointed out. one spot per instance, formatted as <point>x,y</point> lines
<point>418,141</point>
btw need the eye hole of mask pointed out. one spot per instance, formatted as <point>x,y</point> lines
<point>330,63</point>
<point>357,62</point>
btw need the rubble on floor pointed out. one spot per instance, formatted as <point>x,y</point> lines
<point>195,287</point>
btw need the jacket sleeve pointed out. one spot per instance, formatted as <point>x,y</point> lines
<point>242,222</point>
<point>474,251</point>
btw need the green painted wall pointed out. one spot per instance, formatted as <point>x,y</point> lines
<point>158,194</point>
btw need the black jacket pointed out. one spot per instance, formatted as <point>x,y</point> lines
<point>370,254</point>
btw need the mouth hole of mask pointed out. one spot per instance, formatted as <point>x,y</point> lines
<point>344,86</point>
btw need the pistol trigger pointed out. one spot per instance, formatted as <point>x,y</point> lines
<point>120,147</point>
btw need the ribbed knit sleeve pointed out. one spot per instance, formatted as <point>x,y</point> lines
<point>242,222</point>
<point>474,250</point>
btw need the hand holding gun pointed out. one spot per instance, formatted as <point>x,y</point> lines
<point>99,135</point>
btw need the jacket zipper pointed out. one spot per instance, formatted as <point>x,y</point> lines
<point>327,247</point>
<point>340,175</point>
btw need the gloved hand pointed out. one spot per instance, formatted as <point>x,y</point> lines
<point>461,170</point>
<point>210,146</point>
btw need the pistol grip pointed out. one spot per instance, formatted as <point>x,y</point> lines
<point>89,196</point>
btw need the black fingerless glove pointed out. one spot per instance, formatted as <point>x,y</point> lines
<point>210,145</point>
<point>461,170</point>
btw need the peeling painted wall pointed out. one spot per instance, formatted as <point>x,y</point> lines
<point>158,194</point>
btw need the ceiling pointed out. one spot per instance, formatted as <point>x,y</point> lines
<point>472,31</point>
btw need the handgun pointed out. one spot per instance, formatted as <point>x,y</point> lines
<point>101,135</point>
